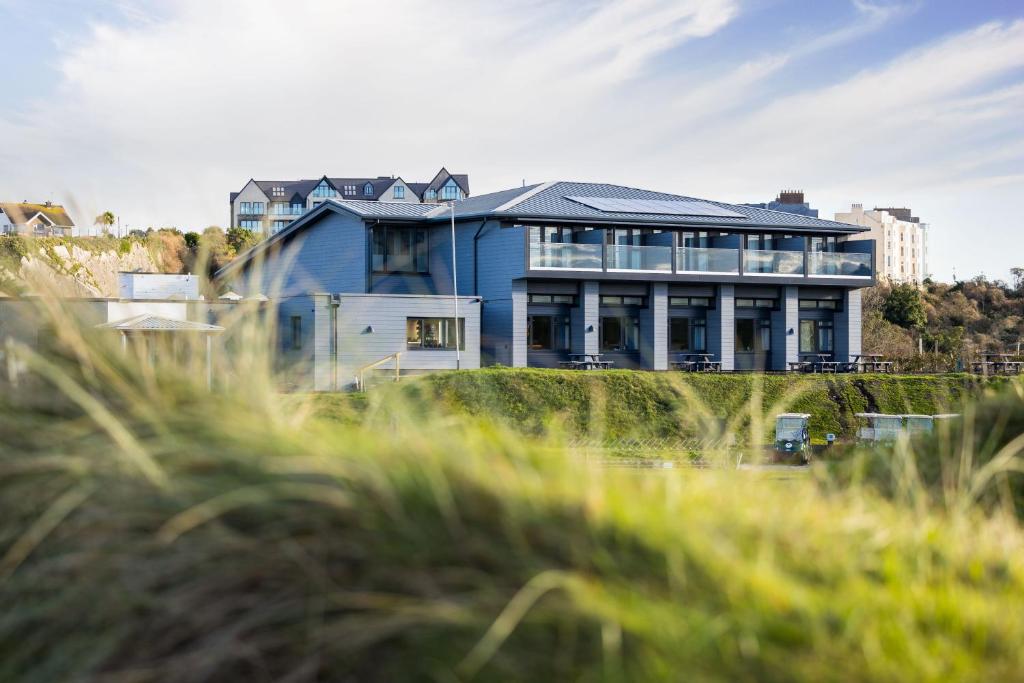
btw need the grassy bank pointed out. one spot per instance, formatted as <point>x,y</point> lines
<point>153,531</point>
<point>623,404</point>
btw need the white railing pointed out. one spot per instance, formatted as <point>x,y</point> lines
<point>361,372</point>
<point>838,264</point>
<point>652,259</point>
<point>707,260</point>
<point>770,262</point>
<point>565,256</point>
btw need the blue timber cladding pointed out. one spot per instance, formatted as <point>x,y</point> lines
<point>328,256</point>
<point>721,327</point>
<point>848,327</point>
<point>500,262</point>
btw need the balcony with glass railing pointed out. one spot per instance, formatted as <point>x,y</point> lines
<point>565,256</point>
<point>836,264</point>
<point>769,262</point>
<point>707,260</point>
<point>639,259</point>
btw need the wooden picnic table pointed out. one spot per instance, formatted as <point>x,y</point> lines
<point>586,361</point>
<point>697,362</point>
<point>870,362</point>
<point>999,364</point>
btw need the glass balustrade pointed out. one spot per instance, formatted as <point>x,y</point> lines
<point>637,258</point>
<point>707,260</point>
<point>838,264</point>
<point>767,262</point>
<point>565,256</point>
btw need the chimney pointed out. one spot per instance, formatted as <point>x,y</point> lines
<point>790,197</point>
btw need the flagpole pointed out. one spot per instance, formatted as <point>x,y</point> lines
<point>455,293</point>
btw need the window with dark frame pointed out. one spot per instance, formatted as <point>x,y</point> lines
<point>615,300</point>
<point>816,336</point>
<point>620,333</point>
<point>699,301</point>
<point>822,304</point>
<point>547,332</point>
<point>687,334</point>
<point>753,336</point>
<point>296,321</point>
<point>756,303</point>
<point>434,334</point>
<point>569,299</point>
<point>399,250</point>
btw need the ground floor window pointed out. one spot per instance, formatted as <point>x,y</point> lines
<point>753,336</point>
<point>816,336</point>
<point>620,333</point>
<point>547,332</point>
<point>826,304</point>
<point>687,334</point>
<point>434,333</point>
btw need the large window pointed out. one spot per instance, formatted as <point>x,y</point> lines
<point>434,334</point>
<point>451,191</point>
<point>324,190</point>
<point>399,250</point>
<point>753,336</point>
<point>620,333</point>
<point>687,334</point>
<point>816,336</point>
<point>368,190</point>
<point>251,225</point>
<point>547,332</point>
<point>251,208</point>
<point>431,194</point>
<point>399,192</point>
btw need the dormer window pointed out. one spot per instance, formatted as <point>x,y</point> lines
<point>324,189</point>
<point>350,190</point>
<point>368,190</point>
<point>399,192</point>
<point>451,191</point>
<point>431,194</point>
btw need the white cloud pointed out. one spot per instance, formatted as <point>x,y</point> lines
<point>161,118</point>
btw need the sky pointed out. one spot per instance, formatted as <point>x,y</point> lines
<point>158,109</point>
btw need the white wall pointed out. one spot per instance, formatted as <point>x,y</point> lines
<point>157,286</point>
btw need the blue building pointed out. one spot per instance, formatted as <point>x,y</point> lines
<point>547,270</point>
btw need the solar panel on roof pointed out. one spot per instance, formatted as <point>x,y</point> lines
<point>668,207</point>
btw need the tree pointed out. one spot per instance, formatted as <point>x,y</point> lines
<point>105,220</point>
<point>192,240</point>
<point>904,307</point>
<point>240,239</point>
<point>1018,278</point>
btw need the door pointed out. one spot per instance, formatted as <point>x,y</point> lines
<point>753,344</point>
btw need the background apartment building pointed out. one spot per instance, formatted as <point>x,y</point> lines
<point>268,206</point>
<point>901,239</point>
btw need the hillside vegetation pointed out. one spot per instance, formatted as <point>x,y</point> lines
<point>88,266</point>
<point>624,404</point>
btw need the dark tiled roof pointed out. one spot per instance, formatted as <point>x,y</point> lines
<point>550,202</point>
<point>301,188</point>
<point>21,213</point>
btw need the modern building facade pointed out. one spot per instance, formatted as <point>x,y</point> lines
<point>40,220</point>
<point>268,206</point>
<point>901,254</point>
<point>636,276</point>
<point>790,201</point>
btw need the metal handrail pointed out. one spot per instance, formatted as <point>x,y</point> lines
<point>361,372</point>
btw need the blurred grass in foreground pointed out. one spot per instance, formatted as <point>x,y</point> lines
<point>152,531</point>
